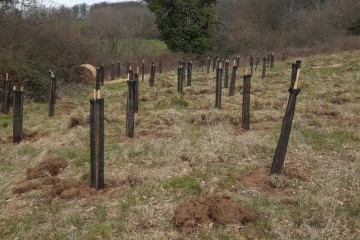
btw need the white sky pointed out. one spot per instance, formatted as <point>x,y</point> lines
<point>70,3</point>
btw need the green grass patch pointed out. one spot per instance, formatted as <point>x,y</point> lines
<point>29,151</point>
<point>315,138</point>
<point>75,220</point>
<point>78,156</point>
<point>175,101</point>
<point>187,184</point>
<point>8,228</point>
<point>6,117</point>
<point>99,231</point>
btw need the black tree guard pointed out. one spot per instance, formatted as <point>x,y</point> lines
<point>18,115</point>
<point>130,113</point>
<point>189,74</point>
<point>52,95</point>
<point>180,82</point>
<point>136,96</point>
<point>97,142</point>
<point>226,79</point>
<point>280,152</point>
<point>142,70</point>
<point>246,102</point>
<point>264,68</point>
<point>232,81</point>
<point>218,87</point>
<point>6,95</point>
<point>281,148</point>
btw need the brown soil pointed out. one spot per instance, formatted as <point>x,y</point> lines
<point>33,136</point>
<point>294,173</point>
<point>78,121</point>
<point>69,189</point>
<point>49,167</point>
<point>27,136</point>
<point>261,180</point>
<point>24,187</point>
<point>257,179</point>
<point>43,176</point>
<point>207,210</point>
<point>65,108</point>
<point>132,181</point>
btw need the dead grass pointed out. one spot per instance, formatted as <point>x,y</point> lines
<point>183,148</point>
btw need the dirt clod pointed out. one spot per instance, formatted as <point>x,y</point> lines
<point>47,168</point>
<point>24,187</point>
<point>78,121</point>
<point>69,189</point>
<point>204,210</point>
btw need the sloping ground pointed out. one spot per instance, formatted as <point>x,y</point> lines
<point>183,150</point>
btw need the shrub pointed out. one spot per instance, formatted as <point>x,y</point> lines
<point>36,85</point>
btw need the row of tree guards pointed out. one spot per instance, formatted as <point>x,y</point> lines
<point>97,106</point>
<point>267,62</point>
<point>18,104</point>
<point>97,129</point>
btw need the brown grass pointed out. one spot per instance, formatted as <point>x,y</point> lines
<point>184,148</point>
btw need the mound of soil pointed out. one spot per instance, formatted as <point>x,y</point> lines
<point>205,210</point>
<point>24,187</point>
<point>278,185</point>
<point>33,136</point>
<point>69,189</point>
<point>49,167</point>
<point>79,120</point>
<point>43,176</point>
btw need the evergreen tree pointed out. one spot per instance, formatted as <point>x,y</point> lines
<point>185,25</point>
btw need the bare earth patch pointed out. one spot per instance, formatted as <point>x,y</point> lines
<point>69,189</point>
<point>49,167</point>
<point>261,180</point>
<point>43,176</point>
<point>208,210</point>
<point>25,186</point>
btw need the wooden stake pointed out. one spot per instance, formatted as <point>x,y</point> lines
<point>297,79</point>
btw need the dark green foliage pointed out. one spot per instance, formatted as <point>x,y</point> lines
<point>354,26</point>
<point>185,25</point>
<point>36,85</point>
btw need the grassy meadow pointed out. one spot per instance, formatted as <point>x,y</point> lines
<point>183,147</point>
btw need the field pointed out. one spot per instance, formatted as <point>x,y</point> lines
<point>184,148</point>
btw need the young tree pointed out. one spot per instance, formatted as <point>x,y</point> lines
<point>185,25</point>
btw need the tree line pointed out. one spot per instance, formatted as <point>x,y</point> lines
<point>35,38</point>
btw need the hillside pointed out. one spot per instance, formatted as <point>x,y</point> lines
<point>183,148</point>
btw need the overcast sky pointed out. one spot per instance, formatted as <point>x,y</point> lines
<point>70,3</point>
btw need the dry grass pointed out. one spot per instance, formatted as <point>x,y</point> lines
<point>184,148</point>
